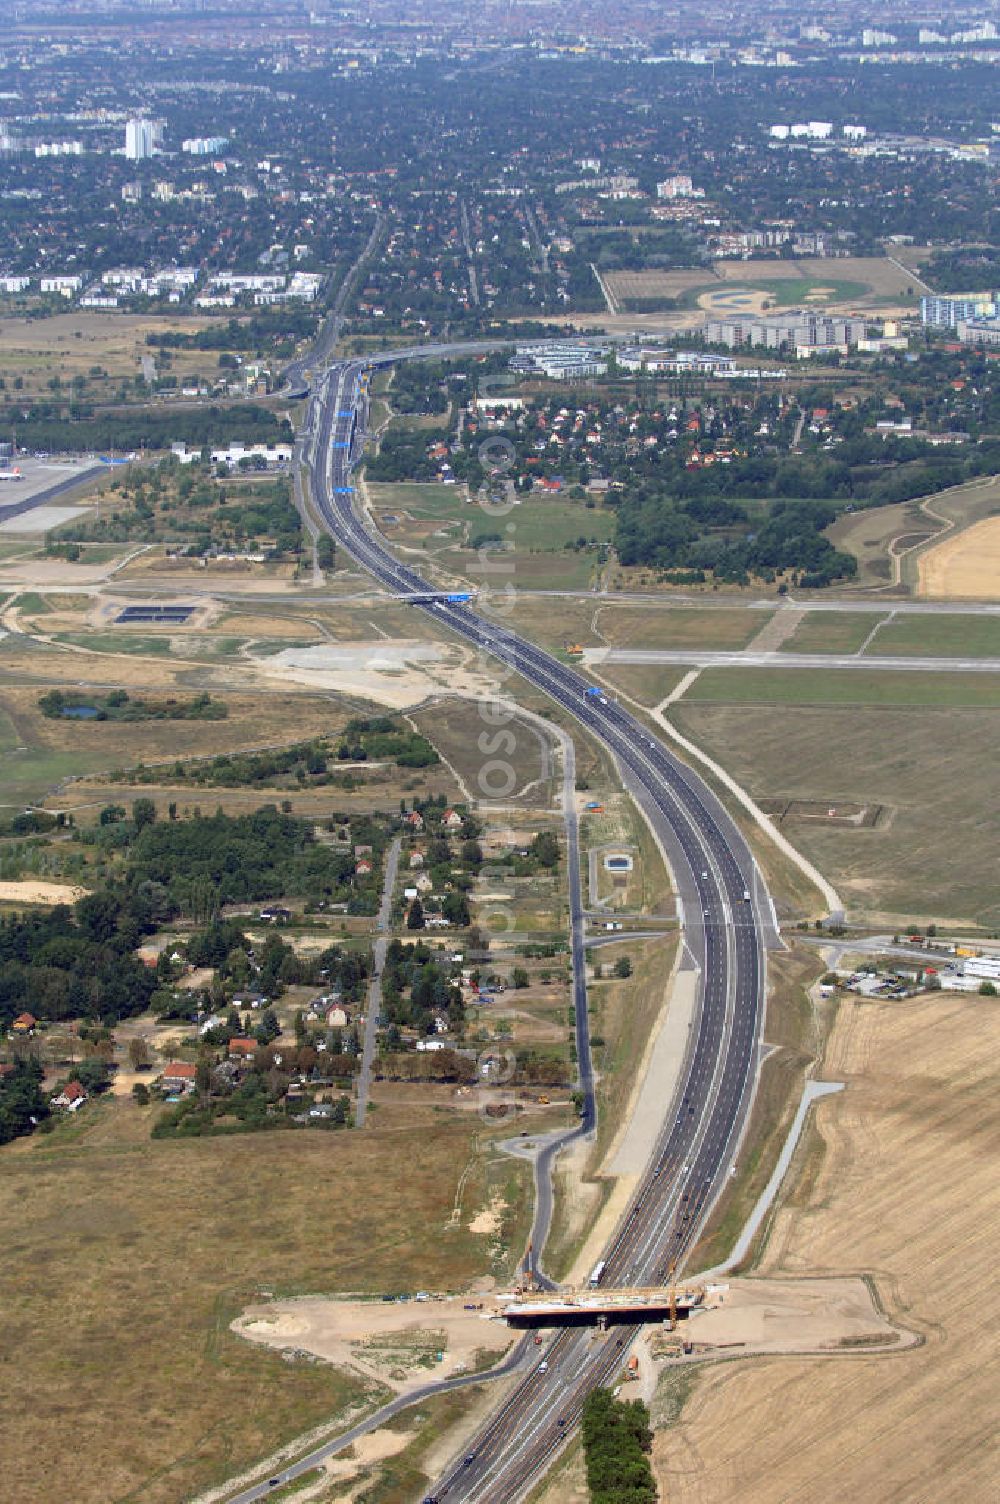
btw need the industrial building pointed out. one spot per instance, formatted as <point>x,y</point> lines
<point>674,362</point>
<point>560,360</point>
<point>974,972</point>
<point>273,455</point>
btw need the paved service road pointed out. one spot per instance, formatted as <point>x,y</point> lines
<point>375,985</point>
<point>728,922</point>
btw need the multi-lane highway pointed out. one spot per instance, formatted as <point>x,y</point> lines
<point>728,923</point>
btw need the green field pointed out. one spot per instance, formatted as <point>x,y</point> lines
<point>32,604</point>
<point>680,627</point>
<point>782,292</point>
<point>938,636</point>
<point>931,853</point>
<point>536,523</point>
<point>793,686</point>
<point>27,773</point>
<point>648,685</point>
<point>117,642</point>
<point>609,623</point>
<point>831,632</point>
<point>547,523</point>
<point>422,500</point>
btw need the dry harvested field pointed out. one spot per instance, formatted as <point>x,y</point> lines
<point>71,343</point>
<point>965,565</point>
<point>832,631</point>
<point>880,276</point>
<point>124,1261</point>
<point>513,762</point>
<point>252,722</point>
<point>898,1180</point>
<point>932,854</point>
<point>587,624</point>
<point>656,284</point>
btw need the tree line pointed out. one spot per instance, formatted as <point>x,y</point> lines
<point>617,1440</point>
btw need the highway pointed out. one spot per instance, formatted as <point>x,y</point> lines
<point>728,922</point>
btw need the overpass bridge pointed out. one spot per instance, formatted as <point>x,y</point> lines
<point>601,1308</point>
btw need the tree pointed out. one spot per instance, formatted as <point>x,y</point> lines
<point>623,967</point>
<point>22,1103</point>
<point>519,977</point>
<point>616,1440</point>
<point>268,1029</point>
<point>138,1055</point>
<point>93,1075</point>
<point>143,813</point>
<point>415,917</point>
<point>987,989</point>
<point>545,849</point>
<point>140,1093</point>
<point>455,908</point>
<point>97,915</point>
<point>203,1075</point>
<point>472,854</point>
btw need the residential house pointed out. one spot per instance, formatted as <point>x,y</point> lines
<point>241,1048</point>
<point>275,914</point>
<point>72,1097</point>
<point>178,1076</point>
<point>451,820</point>
<point>25,1023</point>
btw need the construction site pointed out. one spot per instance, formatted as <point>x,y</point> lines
<point>526,1309</point>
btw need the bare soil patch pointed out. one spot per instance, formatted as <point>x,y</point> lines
<point>33,891</point>
<point>791,1315</point>
<point>397,672</point>
<point>398,1343</point>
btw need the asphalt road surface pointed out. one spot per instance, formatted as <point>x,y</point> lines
<point>374,1007</point>
<point>748,658</point>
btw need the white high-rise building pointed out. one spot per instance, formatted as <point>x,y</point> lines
<point>140,138</point>
<point>678,186</point>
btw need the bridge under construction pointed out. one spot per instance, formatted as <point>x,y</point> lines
<point>601,1308</point>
